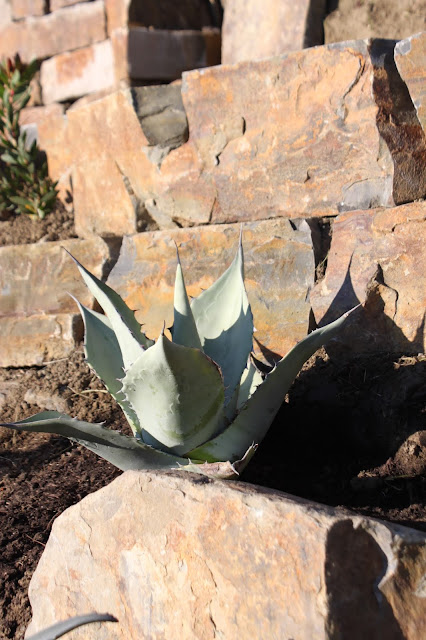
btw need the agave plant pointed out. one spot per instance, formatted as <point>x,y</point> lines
<point>196,402</point>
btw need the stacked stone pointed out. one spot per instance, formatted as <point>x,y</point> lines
<point>325,138</point>
<point>321,154</point>
<point>88,47</point>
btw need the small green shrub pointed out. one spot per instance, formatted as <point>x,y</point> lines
<point>25,186</point>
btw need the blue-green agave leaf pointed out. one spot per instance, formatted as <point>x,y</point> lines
<point>122,451</point>
<point>184,330</point>
<point>252,423</point>
<point>225,323</point>
<point>123,322</point>
<point>177,393</point>
<point>250,380</point>
<point>104,355</point>
<point>61,628</point>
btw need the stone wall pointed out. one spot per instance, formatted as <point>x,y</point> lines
<point>325,140</point>
<point>89,47</point>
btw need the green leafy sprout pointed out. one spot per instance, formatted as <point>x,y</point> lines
<point>25,186</point>
<point>196,402</point>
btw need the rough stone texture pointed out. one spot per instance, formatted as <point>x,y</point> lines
<point>53,139</point>
<point>117,13</point>
<point>37,339</point>
<point>36,279</point>
<point>113,173</point>
<point>119,42</point>
<point>410,59</point>
<point>253,30</point>
<point>171,555</point>
<point>63,30</point>
<point>5,13</point>
<point>76,73</point>
<point>116,144</point>
<point>393,19</point>
<point>378,257</point>
<point>162,116</point>
<point>165,55</point>
<point>279,273</point>
<point>310,133</point>
<point>24,8</point>
<point>38,115</point>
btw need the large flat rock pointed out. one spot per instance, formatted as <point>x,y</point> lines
<point>173,555</point>
<point>63,30</point>
<point>39,321</point>
<point>378,258</point>
<point>308,134</point>
<point>253,30</point>
<point>39,338</point>
<point>315,132</point>
<point>37,278</point>
<point>279,273</point>
<point>76,73</point>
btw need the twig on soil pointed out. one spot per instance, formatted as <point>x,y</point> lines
<point>54,361</point>
<point>43,544</point>
<point>83,393</point>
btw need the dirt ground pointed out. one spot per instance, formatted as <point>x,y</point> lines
<point>21,229</point>
<point>359,19</point>
<point>350,434</point>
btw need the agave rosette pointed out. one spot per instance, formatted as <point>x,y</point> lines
<point>196,402</point>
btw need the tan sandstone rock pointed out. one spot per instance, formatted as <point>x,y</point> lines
<point>37,339</point>
<point>309,134</point>
<point>173,555</point>
<point>253,30</point>
<point>63,30</point>
<point>37,278</point>
<point>279,273</point>
<point>24,8</point>
<point>38,115</point>
<point>39,321</point>
<point>76,73</point>
<point>410,59</point>
<point>111,173</point>
<point>5,13</point>
<point>377,257</point>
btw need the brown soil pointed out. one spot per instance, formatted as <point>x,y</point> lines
<point>343,437</point>
<point>21,229</point>
<point>359,19</point>
<point>349,435</point>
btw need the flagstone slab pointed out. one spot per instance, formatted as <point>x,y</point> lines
<point>38,278</point>
<point>279,273</point>
<point>253,30</point>
<point>39,338</point>
<point>377,258</point>
<point>175,555</point>
<point>309,134</point>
